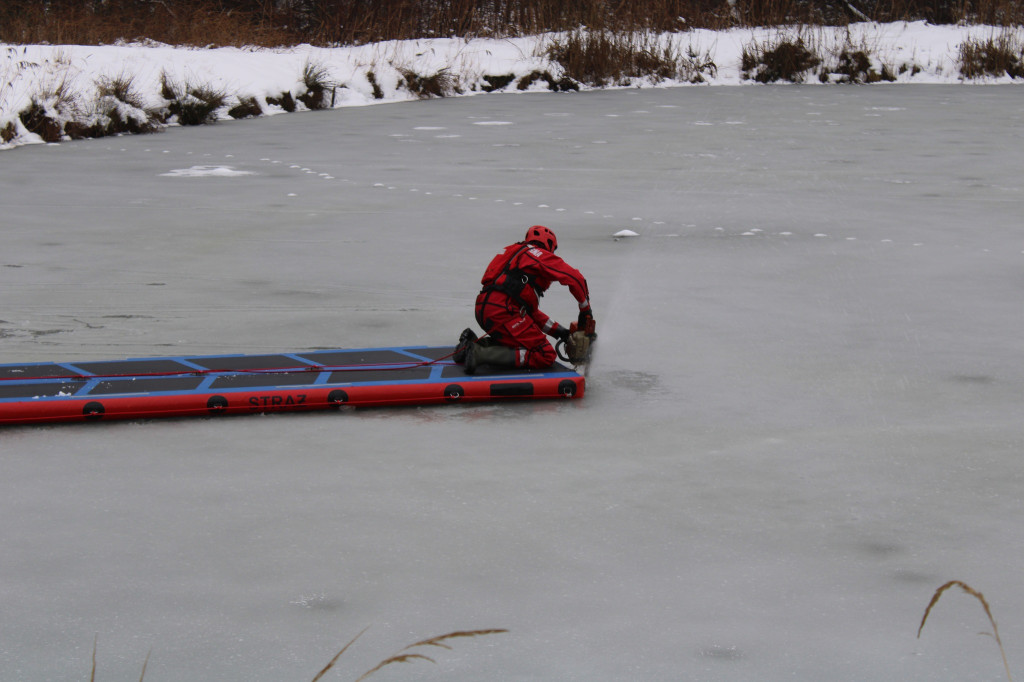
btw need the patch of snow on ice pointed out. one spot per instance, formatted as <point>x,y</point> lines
<point>205,171</point>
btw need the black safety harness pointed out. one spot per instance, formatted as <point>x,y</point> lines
<point>511,281</point>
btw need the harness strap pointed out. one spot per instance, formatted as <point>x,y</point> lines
<point>512,281</point>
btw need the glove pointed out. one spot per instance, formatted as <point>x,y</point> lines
<point>560,332</point>
<point>586,317</point>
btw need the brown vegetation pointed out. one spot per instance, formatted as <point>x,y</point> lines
<point>332,22</point>
<point>787,60</point>
<point>604,58</point>
<point>984,605</point>
<point>997,56</point>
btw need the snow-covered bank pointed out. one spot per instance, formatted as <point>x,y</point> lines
<point>62,80</point>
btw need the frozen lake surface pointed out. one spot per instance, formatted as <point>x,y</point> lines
<point>805,414</point>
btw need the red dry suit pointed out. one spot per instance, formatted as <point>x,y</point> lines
<point>507,305</point>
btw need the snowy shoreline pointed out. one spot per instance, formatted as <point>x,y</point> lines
<point>377,73</point>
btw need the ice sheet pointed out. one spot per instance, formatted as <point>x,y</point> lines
<point>804,416</point>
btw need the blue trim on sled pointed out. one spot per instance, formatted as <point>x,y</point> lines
<point>88,376</point>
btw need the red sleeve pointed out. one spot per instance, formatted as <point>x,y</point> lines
<point>543,321</point>
<point>548,266</point>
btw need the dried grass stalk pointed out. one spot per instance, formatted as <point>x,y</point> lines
<point>406,655</point>
<point>439,641</point>
<point>338,655</point>
<point>984,604</point>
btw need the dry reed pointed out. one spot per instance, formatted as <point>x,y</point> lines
<point>344,22</point>
<point>984,604</point>
<point>601,58</point>
<point>334,660</point>
<point>998,56</point>
<point>92,672</point>
<point>407,655</point>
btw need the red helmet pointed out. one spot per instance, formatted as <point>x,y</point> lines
<point>543,236</point>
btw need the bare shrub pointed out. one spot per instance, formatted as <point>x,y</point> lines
<point>286,101</point>
<point>122,88</point>
<point>120,107</point>
<point>695,66</point>
<point>849,59</point>
<point>497,82</point>
<point>57,111</point>
<point>199,23</point>
<point>997,56</point>
<point>563,84</point>
<point>316,79</point>
<point>38,120</point>
<point>273,23</point>
<point>438,84</point>
<point>51,107</point>
<point>783,60</point>
<point>856,66</point>
<point>604,57</point>
<point>247,107</point>
<point>191,103</point>
<point>371,78</point>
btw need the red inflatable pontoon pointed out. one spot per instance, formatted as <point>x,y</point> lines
<point>141,388</point>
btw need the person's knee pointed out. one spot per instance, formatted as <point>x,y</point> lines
<point>540,357</point>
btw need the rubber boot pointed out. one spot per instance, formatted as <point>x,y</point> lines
<point>493,356</point>
<point>466,339</point>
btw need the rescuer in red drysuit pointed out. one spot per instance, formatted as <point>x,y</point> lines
<point>507,305</point>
